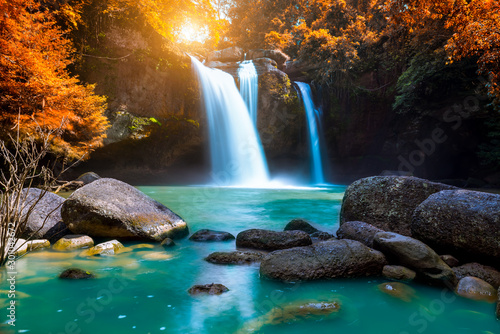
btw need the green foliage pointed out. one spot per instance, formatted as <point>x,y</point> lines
<point>489,152</point>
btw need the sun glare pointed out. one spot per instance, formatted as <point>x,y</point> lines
<point>192,33</point>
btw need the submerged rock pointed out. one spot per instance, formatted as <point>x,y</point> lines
<point>300,225</point>
<point>301,311</point>
<point>210,235</point>
<point>167,243</point>
<point>71,242</point>
<point>358,231</point>
<point>460,221</point>
<point>399,273</point>
<point>486,273</point>
<point>75,273</point>
<point>106,248</point>
<point>211,289</point>
<point>44,220</point>
<point>416,255</point>
<point>298,311</point>
<point>111,208</point>
<point>272,240</point>
<point>236,257</point>
<point>387,202</point>
<point>398,290</point>
<point>324,260</point>
<point>477,289</point>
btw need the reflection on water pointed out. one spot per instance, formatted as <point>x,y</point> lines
<point>145,290</point>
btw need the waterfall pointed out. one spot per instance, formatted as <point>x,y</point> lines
<point>236,151</point>
<point>249,87</point>
<point>313,117</point>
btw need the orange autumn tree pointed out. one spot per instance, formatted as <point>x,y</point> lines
<point>35,86</point>
<point>474,25</point>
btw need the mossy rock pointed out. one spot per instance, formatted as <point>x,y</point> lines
<point>72,242</point>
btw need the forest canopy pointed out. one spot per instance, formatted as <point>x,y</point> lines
<point>43,41</point>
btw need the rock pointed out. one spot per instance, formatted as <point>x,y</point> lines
<point>236,257</point>
<point>111,208</point>
<point>462,222</point>
<point>272,240</point>
<point>498,304</point>
<point>416,255</point>
<point>106,248</point>
<point>398,290</point>
<point>38,244</point>
<point>210,235</point>
<point>44,221</point>
<point>399,273</point>
<point>298,311</point>
<point>324,260</point>
<point>75,273</point>
<point>280,120</point>
<point>277,55</point>
<point>301,311</point>
<point>300,225</point>
<point>167,243</point>
<point>321,236</point>
<point>20,247</point>
<point>211,289</point>
<point>387,202</point>
<point>358,231</point>
<point>88,177</point>
<point>71,242</point>
<point>450,260</point>
<point>486,273</point>
<point>230,54</point>
<point>477,289</point>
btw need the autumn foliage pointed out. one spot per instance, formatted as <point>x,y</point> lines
<point>35,85</point>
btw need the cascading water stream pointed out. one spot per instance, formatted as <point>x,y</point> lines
<point>236,151</point>
<point>249,87</point>
<point>313,117</point>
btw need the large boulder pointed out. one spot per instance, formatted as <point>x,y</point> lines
<point>416,255</point>
<point>324,260</point>
<point>486,273</point>
<point>358,231</point>
<point>232,54</point>
<point>272,240</point>
<point>44,220</point>
<point>387,202</point>
<point>460,221</point>
<point>113,209</point>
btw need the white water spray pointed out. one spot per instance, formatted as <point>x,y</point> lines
<point>236,151</point>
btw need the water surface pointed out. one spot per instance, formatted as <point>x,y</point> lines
<point>145,290</point>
